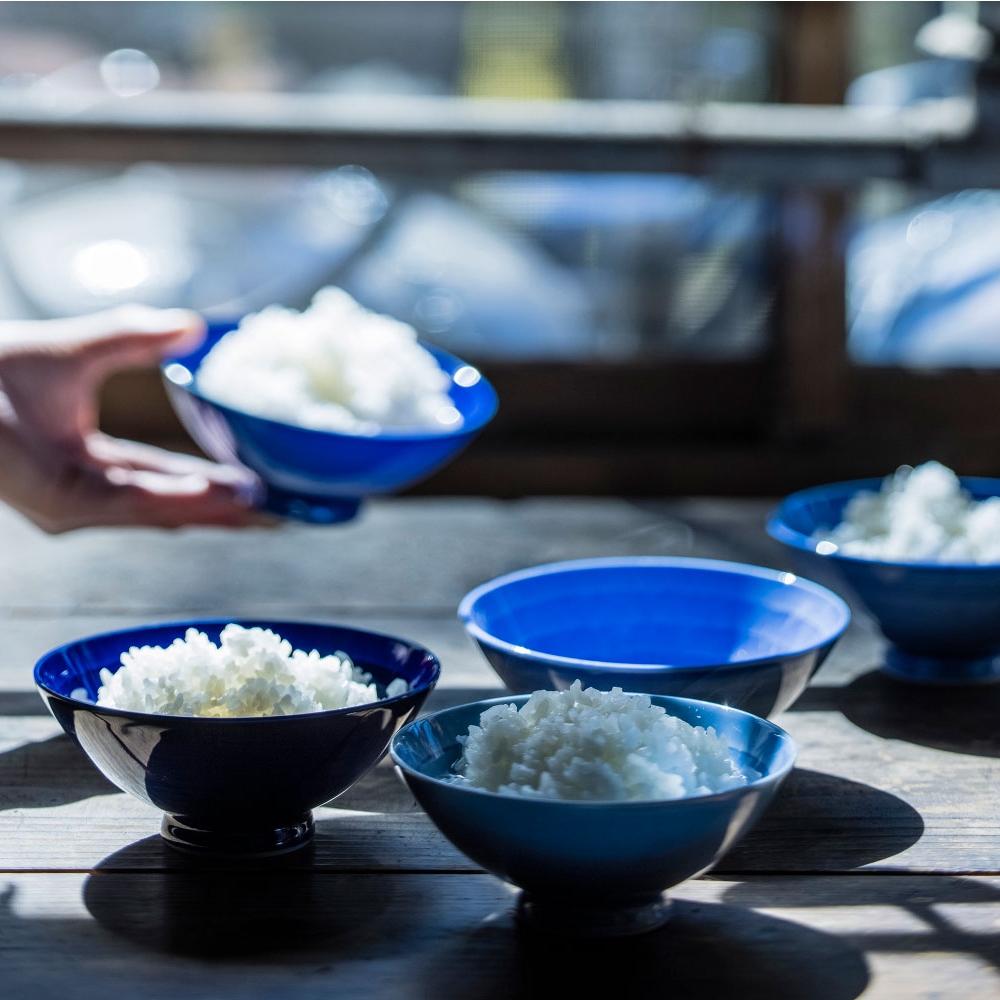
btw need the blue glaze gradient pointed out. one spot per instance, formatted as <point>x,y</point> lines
<point>233,785</point>
<point>313,475</point>
<point>594,857</point>
<point>699,628</point>
<point>943,620</point>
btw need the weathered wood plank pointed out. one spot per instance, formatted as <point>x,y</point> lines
<point>264,934</point>
<point>892,779</point>
<point>857,801</point>
<point>416,553</point>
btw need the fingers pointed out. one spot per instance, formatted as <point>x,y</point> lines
<point>119,497</point>
<point>116,497</point>
<point>136,325</point>
<point>134,336</point>
<point>67,475</point>
<point>51,371</point>
<point>139,497</point>
<point>109,451</point>
<point>146,487</point>
<point>152,486</point>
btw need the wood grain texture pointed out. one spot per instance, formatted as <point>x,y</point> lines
<point>265,934</point>
<point>876,872</point>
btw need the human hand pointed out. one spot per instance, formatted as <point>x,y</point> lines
<point>59,470</point>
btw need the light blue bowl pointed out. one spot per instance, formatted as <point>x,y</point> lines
<point>595,868</point>
<point>697,628</point>
<point>322,476</point>
<point>943,621</point>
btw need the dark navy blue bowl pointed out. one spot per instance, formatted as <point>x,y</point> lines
<point>697,628</point>
<point>322,476</point>
<point>235,786</point>
<point>595,868</point>
<point>943,621</point>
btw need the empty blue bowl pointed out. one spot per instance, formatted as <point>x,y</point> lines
<point>697,628</point>
<point>322,476</point>
<point>595,868</point>
<point>241,787</point>
<point>942,620</point>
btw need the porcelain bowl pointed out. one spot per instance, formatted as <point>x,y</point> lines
<point>942,620</point>
<point>592,868</point>
<point>235,786</point>
<point>323,476</point>
<point>699,628</point>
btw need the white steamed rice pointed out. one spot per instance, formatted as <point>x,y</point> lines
<point>335,366</point>
<point>920,514</point>
<point>593,745</point>
<point>252,672</point>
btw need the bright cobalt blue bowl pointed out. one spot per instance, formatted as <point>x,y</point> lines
<point>942,620</point>
<point>589,867</point>
<point>242,787</point>
<point>698,628</point>
<point>322,476</point>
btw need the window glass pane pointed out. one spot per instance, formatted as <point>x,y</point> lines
<point>503,265</point>
<point>923,267</point>
<point>923,278</point>
<point>511,50</point>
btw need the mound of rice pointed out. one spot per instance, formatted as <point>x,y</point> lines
<point>336,366</point>
<point>921,514</point>
<point>593,745</point>
<point>252,672</point>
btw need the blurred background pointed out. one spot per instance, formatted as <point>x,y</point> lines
<point>700,248</point>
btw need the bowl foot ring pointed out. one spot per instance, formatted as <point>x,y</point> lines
<point>939,670</point>
<point>186,835</point>
<point>311,509</point>
<point>578,919</point>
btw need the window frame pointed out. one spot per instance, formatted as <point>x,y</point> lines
<point>800,413</point>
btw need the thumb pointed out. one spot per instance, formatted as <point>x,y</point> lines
<point>132,337</point>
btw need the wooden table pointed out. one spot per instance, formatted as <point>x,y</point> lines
<point>874,874</point>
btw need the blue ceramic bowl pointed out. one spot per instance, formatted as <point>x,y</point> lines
<point>596,868</point>
<point>696,628</point>
<point>322,476</point>
<point>235,786</point>
<point>943,621</point>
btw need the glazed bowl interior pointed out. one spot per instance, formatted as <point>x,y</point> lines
<point>597,867</point>
<point>942,620</point>
<point>317,475</point>
<point>235,785</point>
<point>692,627</point>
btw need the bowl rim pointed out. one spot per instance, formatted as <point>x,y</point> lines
<point>156,718</point>
<point>466,606</point>
<point>188,383</point>
<point>781,531</point>
<point>788,753</point>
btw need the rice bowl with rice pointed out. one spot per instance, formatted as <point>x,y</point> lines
<point>919,514</point>
<point>252,673</point>
<point>590,745</point>
<point>335,366</point>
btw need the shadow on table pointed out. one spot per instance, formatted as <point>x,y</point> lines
<point>959,718</point>
<point>21,704</point>
<point>705,950</point>
<point>933,922</point>
<point>49,772</point>
<point>821,822</point>
<point>52,772</point>
<point>221,909</point>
